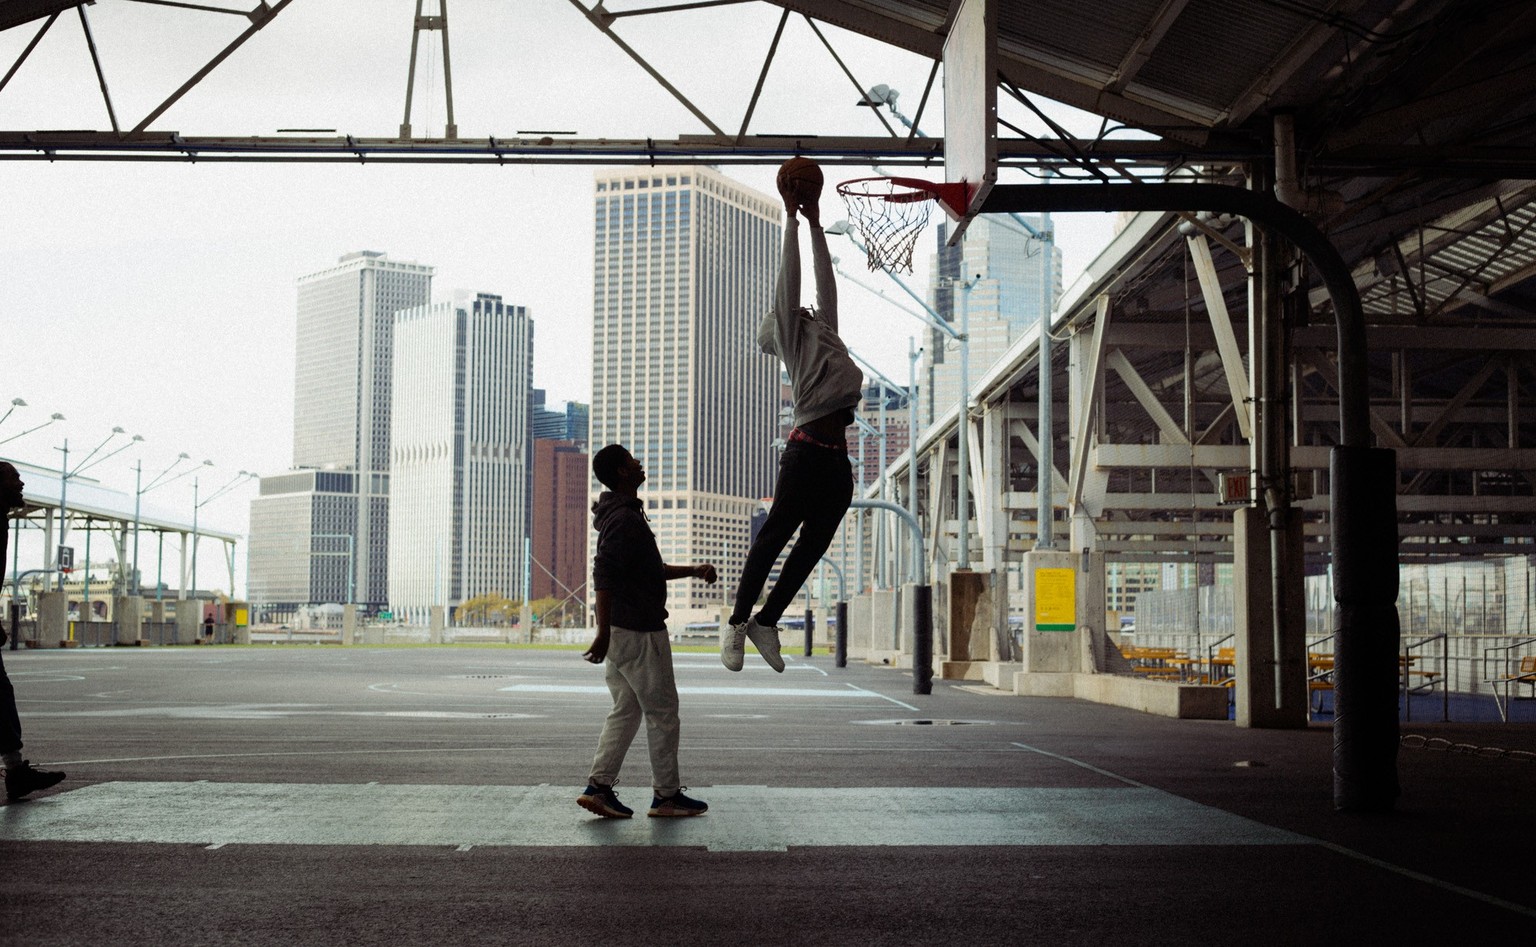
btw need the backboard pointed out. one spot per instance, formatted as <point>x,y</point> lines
<point>970,108</point>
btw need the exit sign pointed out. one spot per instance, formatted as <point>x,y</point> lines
<point>1236,487</point>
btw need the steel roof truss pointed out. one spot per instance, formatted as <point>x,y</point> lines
<point>1221,323</point>
<point>259,17</point>
<point>1092,390</point>
<point>28,50</point>
<point>603,21</point>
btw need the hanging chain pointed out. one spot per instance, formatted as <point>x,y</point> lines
<point>1441,745</point>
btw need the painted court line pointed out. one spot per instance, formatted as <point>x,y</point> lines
<point>1331,846</point>
<point>741,818</point>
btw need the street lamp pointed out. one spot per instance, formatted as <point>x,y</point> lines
<point>196,506</point>
<point>885,95</point>
<point>18,402</point>
<point>139,489</point>
<point>65,474</point>
<point>15,403</point>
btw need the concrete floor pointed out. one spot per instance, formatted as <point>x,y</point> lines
<point>315,795</point>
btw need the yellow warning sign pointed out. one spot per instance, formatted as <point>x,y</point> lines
<point>1055,600</point>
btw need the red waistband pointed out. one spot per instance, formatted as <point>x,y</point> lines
<point>799,436</point>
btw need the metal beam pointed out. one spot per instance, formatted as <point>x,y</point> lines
<point>1221,324</point>
<point>1089,393</point>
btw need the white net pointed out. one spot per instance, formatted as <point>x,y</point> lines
<point>889,213</point>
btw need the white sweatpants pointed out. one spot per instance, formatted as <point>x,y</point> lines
<point>640,678</point>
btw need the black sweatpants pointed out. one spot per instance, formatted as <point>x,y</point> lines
<point>814,489</point>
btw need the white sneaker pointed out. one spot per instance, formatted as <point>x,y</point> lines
<point>766,641</point>
<point>733,645</point>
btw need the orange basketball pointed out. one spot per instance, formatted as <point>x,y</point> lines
<point>800,179</point>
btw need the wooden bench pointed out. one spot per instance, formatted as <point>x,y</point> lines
<point>1164,664</point>
<point>1525,673</point>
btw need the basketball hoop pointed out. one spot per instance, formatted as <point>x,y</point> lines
<point>889,213</point>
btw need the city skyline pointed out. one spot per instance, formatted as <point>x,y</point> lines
<point>158,297</point>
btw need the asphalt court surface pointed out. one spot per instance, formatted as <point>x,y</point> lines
<point>316,794</point>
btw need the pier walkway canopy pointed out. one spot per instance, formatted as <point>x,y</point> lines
<point>100,525</point>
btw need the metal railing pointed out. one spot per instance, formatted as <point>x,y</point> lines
<point>1430,679</point>
<point>1504,675</point>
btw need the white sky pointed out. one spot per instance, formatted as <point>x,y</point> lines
<point>160,297</point>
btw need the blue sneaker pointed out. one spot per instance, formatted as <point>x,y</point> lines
<point>675,805</point>
<point>602,801</point>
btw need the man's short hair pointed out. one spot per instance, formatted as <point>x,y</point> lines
<point>606,462</point>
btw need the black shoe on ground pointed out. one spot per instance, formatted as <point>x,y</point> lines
<point>22,780</point>
<point>601,800</point>
<point>675,805</point>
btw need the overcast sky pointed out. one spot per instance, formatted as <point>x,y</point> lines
<point>160,297</point>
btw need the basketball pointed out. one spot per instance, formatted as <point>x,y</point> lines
<point>800,180</point>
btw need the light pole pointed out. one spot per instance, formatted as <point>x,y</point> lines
<point>181,593</point>
<point>15,403</point>
<point>52,418</point>
<point>139,489</point>
<point>65,474</point>
<point>963,427</point>
<point>234,482</point>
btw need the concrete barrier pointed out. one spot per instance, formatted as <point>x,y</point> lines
<point>1164,698</point>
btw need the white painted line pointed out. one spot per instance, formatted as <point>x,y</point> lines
<point>1340,849</point>
<point>883,697</point>
<point>741,818</point>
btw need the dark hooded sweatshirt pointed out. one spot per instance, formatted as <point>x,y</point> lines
<point>628,565</point>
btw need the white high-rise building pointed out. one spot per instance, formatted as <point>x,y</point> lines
<point>1004,304</point>
<point>314,542</point>
<point>684,262</point>
<point>459,454</point>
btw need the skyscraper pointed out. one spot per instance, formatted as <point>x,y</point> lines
<point>684,265</point>
<point>1003,304</point>
<point>568,424</point>
<point>560,519</point>
<point>460,454</point>
<point>302,528</point>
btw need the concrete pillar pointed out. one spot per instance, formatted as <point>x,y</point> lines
<point>1253,603</point>
<point>189,621</point>
<point>436,624</point>
<point>129,612</point>
<point>1053,619</point>
<point>972,625</point>
<point>826,617</point>
<point>859,641</point>
<point>882,627</point>
<point>52,619</point>
<point>348,624</point>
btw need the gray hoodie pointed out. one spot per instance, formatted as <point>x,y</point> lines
<point>822,376</point>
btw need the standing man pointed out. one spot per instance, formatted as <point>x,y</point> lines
<point>815,485</point>
<point>630,581</point>
<point>20,778</point>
